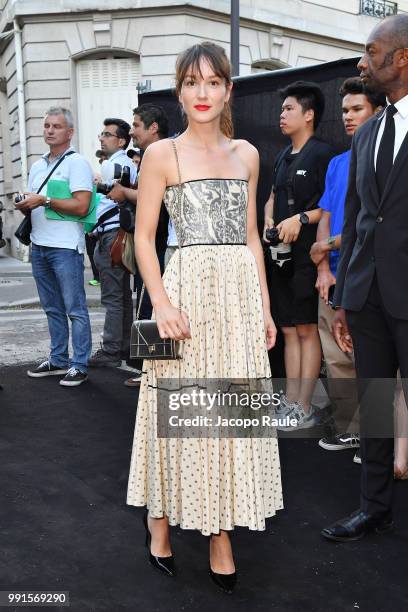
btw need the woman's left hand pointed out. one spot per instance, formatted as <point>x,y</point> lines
<point>270,330</point>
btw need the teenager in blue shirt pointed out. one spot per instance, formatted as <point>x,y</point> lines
<point>359,103</point>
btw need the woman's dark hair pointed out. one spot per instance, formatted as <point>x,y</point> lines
<point>122,130</point>
<point>308,95</point>
<point>189,60</point>
<point>151,113</point>
<point>355,85</point>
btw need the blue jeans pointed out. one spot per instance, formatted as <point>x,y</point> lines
<point>59,275</point>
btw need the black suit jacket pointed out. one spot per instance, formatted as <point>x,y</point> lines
<point>375,232</point>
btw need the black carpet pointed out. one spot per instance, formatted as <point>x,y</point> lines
<point>64,524</point>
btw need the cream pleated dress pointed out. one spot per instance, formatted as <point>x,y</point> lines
<point>203,483</point>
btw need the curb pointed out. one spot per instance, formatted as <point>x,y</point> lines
<point>91,302</point>
<point>35,303</point>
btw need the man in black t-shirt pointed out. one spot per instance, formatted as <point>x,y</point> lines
<point>297,184</point>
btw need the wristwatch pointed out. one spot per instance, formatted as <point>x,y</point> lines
<point>47,203</point>
<point>331,241</point>
<point>303,218</point>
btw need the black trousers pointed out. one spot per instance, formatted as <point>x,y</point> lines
<point>380,348</point>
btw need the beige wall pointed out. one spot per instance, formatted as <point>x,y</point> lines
<point>308,32</point>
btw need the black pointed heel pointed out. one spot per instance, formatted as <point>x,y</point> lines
<point>226,582</point>
<point>163,564</point>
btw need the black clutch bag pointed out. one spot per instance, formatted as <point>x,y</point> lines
<point>23,231</point>
<point>145,343</point>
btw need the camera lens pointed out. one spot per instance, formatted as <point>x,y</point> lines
<point>125,177</point>
<point>272,235</point>
<point>103,188</point>
<point>18,198</point>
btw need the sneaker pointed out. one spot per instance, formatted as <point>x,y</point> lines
<point>284,406</point>
<point>341,441</point>
<point>94,282</point>
<point>101,359</point>
<point>47,369</point>
<point>304,419</point>
<point>73,378</point>
<point>357,457</point>
<point>134,381</point>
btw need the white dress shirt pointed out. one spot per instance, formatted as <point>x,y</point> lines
<point>401,127</point>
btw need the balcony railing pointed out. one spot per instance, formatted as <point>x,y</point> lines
<point>378,8</point>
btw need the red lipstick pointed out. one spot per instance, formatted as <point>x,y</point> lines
<point>202,107</point>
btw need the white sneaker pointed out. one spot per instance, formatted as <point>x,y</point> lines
<point>304,419</point>
<point>284,407</point>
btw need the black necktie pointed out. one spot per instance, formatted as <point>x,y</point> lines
<point>385,156</point>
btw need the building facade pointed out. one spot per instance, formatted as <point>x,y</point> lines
<point>93,56</point>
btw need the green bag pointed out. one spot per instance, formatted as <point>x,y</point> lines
<point>59,190</point>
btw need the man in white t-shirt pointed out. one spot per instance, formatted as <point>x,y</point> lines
<point>58,250</point>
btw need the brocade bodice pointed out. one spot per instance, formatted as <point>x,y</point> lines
<point>213,211</point>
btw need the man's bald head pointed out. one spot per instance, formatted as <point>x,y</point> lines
<point>394,30</point>
<point>384,65</point>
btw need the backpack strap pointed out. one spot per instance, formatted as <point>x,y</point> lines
<point>112,212</point>
<point>280,157</point>
<point>47,178</point>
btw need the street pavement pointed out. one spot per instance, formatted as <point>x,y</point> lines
<point>18,290</point>
<point>24,336</point>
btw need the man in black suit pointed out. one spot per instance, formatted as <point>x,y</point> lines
<point>372,273</point>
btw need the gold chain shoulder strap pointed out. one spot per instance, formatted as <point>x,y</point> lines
<point>178,237</point>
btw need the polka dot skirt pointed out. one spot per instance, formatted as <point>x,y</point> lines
<point>202,483</point>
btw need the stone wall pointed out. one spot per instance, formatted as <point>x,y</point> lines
<point>155,32</point>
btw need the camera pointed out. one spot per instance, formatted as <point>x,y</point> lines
<point>19,198</point>
<point>280,252</point>
<point>272,234</point>
<point>113,173</point>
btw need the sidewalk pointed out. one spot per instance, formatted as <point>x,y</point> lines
<point>18,289</point>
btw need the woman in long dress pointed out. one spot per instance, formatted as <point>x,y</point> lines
<point>207,484</point>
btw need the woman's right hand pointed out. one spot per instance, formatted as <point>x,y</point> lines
<point>172,323</point>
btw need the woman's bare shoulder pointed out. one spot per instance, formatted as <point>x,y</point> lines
<point>246,148</point>
<point>157,158</point>
<point>159,149</point>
